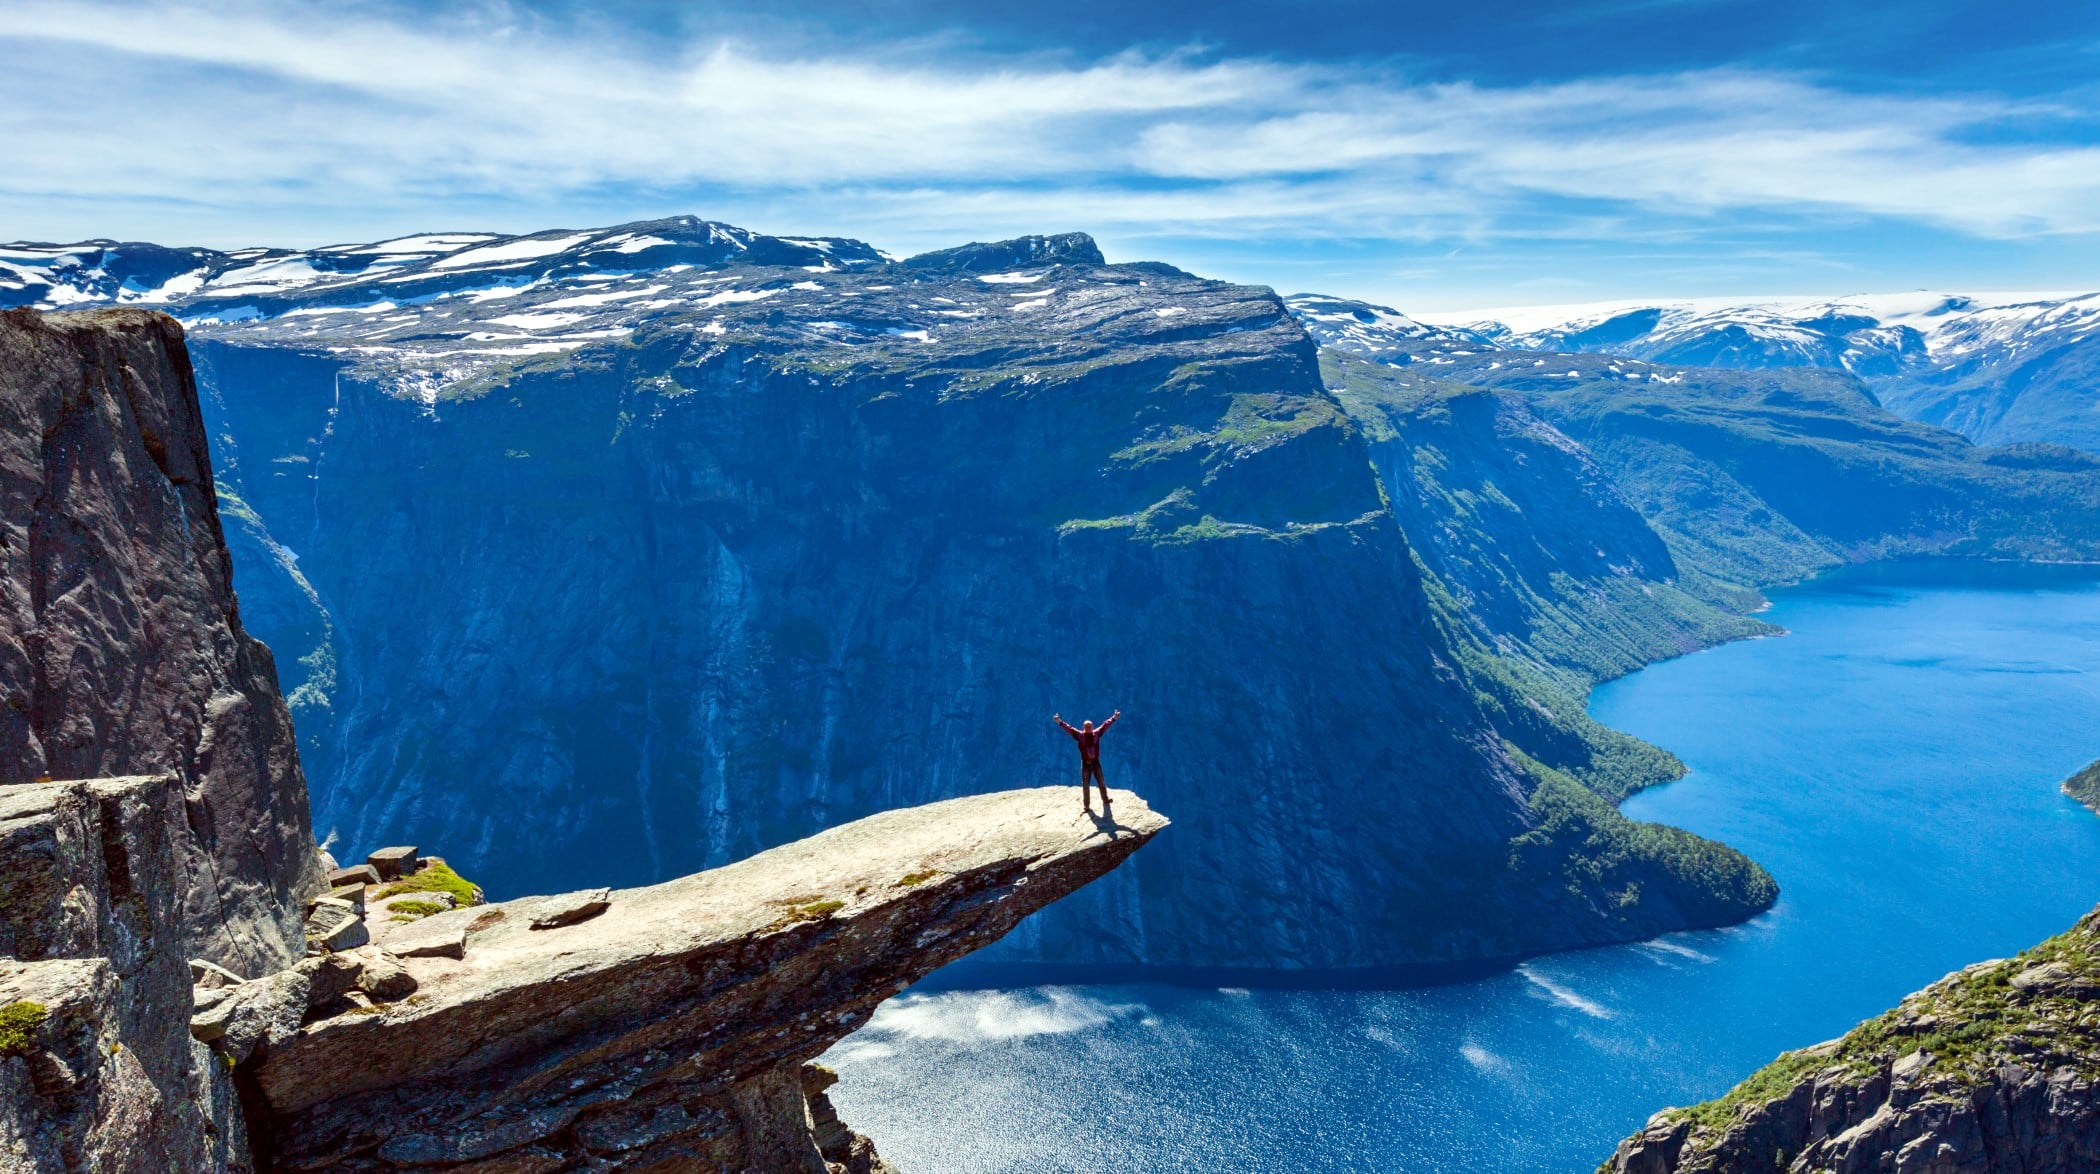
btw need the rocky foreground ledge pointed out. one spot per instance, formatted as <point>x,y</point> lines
<point>1994,1069</point>
<point>667,1024</point>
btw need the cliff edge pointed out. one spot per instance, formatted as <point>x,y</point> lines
<point>121,646</point>
<point>1990,1070</point>
<point>176,993</point>
<point>668,1024</point>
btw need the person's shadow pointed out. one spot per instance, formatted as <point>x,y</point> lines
<point>1105,821</point>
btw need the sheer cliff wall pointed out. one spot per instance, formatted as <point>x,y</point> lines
<point>654,604</point>
<point>121,646</point>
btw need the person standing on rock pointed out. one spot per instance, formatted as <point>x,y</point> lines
<point>1088,735</point>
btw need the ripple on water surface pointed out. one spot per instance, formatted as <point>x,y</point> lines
<point>1894,763</point>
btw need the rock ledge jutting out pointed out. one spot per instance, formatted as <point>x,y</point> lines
<point>674,1026</point>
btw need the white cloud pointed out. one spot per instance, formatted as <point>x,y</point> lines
<point>260,112</point>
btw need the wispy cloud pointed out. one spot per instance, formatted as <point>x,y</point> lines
<point>261,111</point>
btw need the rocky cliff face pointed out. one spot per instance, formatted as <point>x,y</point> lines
<point>97,1067</point>
<point>666,1027</point>
<point>1988,1071</point>
<point>121,648</point>
<point>808,543</point>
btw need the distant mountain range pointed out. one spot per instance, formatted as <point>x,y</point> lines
<point>1998,368</point>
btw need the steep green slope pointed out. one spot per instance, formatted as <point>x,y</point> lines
<point>1761,477</point>
<point>1532,536</point>
<point>1989,1069</point>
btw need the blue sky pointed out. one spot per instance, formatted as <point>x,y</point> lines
<point>1476,153</point>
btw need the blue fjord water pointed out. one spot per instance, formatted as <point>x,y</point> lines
<point>1893,761</point>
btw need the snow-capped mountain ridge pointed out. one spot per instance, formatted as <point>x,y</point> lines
<point>1997,367</point>
<point>206,283</point>
<point>1868,334</point>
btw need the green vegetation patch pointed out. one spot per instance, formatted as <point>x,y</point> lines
<point>815,910</point>
<point>436,877</point>
<point>1967,1025</point>
<point>2085,786</point>
<point>1768,1083</point>
<point>410,910</point>
<point>1612,862</point>
<point>18,1024</point>
<point>914,879</point>
<point>1250,421</point>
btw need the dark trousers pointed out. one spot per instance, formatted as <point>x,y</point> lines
<point>1090,772</point>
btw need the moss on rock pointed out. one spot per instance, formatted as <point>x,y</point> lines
<point>18,1024</point>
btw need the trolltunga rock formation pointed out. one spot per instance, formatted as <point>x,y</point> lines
<point>669,1028</point>
<point>156,1013</point>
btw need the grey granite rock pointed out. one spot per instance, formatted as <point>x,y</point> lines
<point>568,908</point>
<point>683,1005</point>
<point>84,918</point>
<point>336,925</point>
<point>441,935</point>
<point>392,863</point>
<point>363,874</point>
<point>121,646</point>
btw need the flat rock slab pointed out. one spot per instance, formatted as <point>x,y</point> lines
<point>362,874</point>
<point>677,989</point>
<point>570,908</point>
<point>393,863</point>
<point>441,935</point>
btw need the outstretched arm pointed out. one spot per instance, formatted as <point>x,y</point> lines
<point>1064,725</point>
<point>1112,719</point>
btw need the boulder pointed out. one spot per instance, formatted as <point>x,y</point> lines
<point>393,863</point>
<point>569,908</point>
<point>267,1011</point>
<point>383,977</point>
<point>363,874</point>
<point>442,935</point>
<point>336,925</point>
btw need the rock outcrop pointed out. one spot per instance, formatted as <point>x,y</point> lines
<point>668,1026</point>
<point>1991,1070</point>
<point>121,648</point>
<point>101,1072</point>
